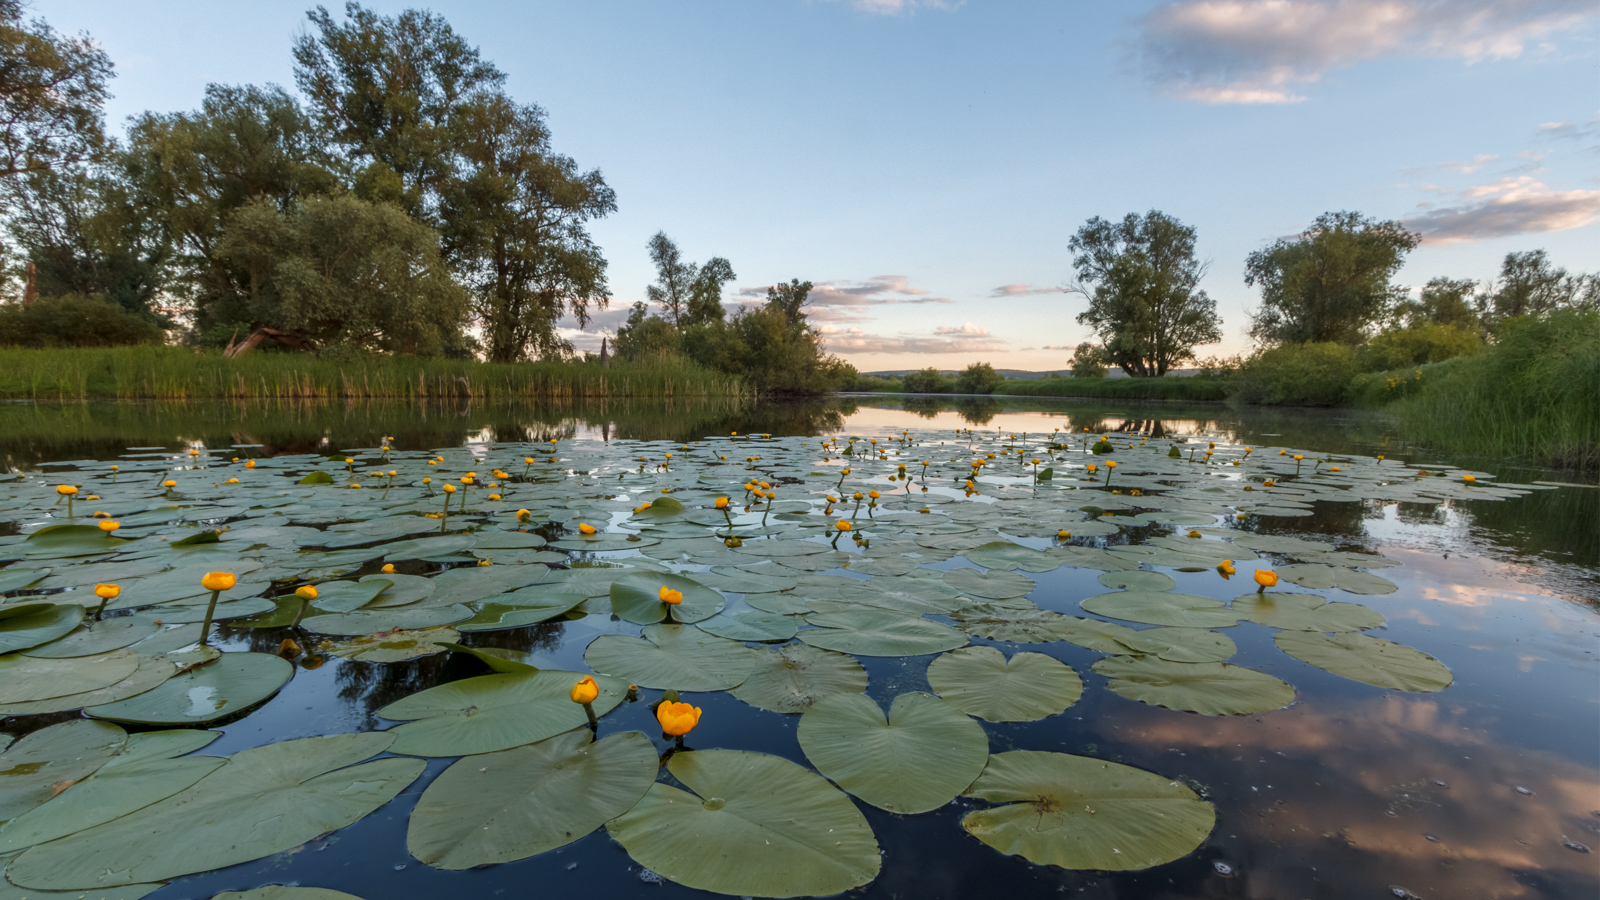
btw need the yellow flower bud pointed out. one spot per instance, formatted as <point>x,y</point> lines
<point>107,591</point>
<point>668,595</point>
<point>585,691</point>
<point>306,592</point>
<point>218,581</point>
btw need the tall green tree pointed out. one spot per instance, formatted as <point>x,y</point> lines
<point>514,215</point>
<point>345,271</point>
<point>1330,283</point>
<point>386,89</point>
<point>1530,284</point>
<point>1443,301</point>
<point>1142,279</point>
<point>52,90</point>
<point>688,293</point>
<point>790,299</point>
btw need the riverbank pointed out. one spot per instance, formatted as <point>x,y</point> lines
<point>171,373</point>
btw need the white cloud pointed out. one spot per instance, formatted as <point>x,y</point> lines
<point>965,330</point>
<point>845,301</point>
<point>1264,51</point>
<point>966,338</point>
<point>1018,290</point>
<point>1510,206</point>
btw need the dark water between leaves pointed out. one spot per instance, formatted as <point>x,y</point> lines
<point>1489,788</point>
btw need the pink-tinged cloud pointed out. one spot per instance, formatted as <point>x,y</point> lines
<point>967,338</point>
<point>1021,290</point>
<point>1508,207</point>
<point>1262,51</point>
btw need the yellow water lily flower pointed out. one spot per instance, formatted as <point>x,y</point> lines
<point>677,719</point>
<point>307,592</point>
<point>107,591</point>
<point>218,581</point>
<point>585,690</point>
<point>585,528</point>
<point>109,526</point>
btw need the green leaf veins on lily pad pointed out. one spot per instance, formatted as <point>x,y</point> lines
<point>681,657</point>
<point>755,826</point>
<point>981,682</point>
<point>305,788</point>
<point>1211,689</point>
<point>1365,658</point>
<point>637,599</point>
<point>494,712</point>
<point>918,758</point>
<point>875,632</point>
<point>232,683</point>
<point>1081,813</point>
<point>27,625</point>
<point>991,585</point>
<point>789,679</point>
<point>511,804</point>
<point>32,768</point>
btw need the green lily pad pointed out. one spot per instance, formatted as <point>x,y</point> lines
<point>992,585</point>
<point>494,712</point>
<point>744,580</point>
<point>1138,580</point>
<point>222,688</point>
<point>28,678</point>
<point>1181,644</point>
<point>779,604</point>
<point>69,541</point>
<point>637,599</point>
<point>789,679</point>
<point>27,625</point>
<point>1365,658</point>
<point>496,658</point>
<point>98,637</point>
<point>279,892</point>
<point>751,625</point>
<point>681,657</point>
<point>1305,612</point>
<point>371,621</point>
<point>305,788</point>
<point>152,671</point>
<point>498,807</point>
<point>1005,556</point>
<point>1081,813</point>
<point>20,579</point>
<point>918,758</point>
<point>394,646</point>
<point>981,682</point>
<point>756,826</point>
<point>1318,577</point>
<point>877,632</point>
<point>1211,689</point>
<point>35,768</point>
<point>1020,625</point>
<point>1162,608</point>
<point>349,596</point>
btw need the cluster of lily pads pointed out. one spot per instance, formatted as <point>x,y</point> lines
<point>750,564</point>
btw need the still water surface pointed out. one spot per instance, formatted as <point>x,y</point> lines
<point>1353,791</point>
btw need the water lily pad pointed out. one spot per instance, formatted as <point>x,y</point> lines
<point>1181,644</point>
<point>1365,658</point>
<point>498,807</point>
<point>981,682</point>
<point>42,763</point>
<point>1005,556</point>
<point>1211,689</point>
<point>98,637</point>
<point>1318,577</point>
<point>993,585</point>
<point>144,773</point>
<point>279,892</point>
<point>27,625</point>
<point>392,646</point>
<point>877,632</point>
<point>15,579</point>
<point>152,671</point>
<point>349,596</point>
<point>789,679</point>
<point>305,788</point>
<point>1305,612</point>
<point>28,678</point>
<point>779,604</point>
<point>681,657</point>
<point>1162,608</point>
<point>69,541</point>
<point>918,758</point>
<point>229,685</point>
<point>1014,624</point>
<point>494,712</point>
<point>751,625</point>
<point>1081,813</point>
<point>780,549</point>
<point>756,826</point>
<point>637,598</point>
<point>369,621</point>
<point>1138,580</point>
<point>750,580</point>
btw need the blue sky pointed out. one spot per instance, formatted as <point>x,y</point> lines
<point>925,163</point>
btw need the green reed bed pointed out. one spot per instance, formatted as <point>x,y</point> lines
<point>169,373</point>
<point>1167,388</point>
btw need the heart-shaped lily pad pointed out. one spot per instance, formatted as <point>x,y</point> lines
<point>981,682</point>
<point>875,632</point>
<point>1004,555</point>
<point>681,657</point>
<point>1211,689</point>
<point>27,625</point>
<point>751,625</point>
<point>1181,644</point>
<point>29,678</point>
<point>503,806</point>
<point>637,598</point>
<point>1162,608</point>
<point>1081,813</point>
<point>213,691</point>
<point>1305,612</point>
<point>392,646</point>
<point>789,679</point>
<point>1138,580</point>
<point>1365,658</point>
<point>756,826</point>
<point>993,585</point>
<point>494,712</point>
<point>103,636</point>
<point>33,769</point>
<point>917,759</point>
<point>1318,577</point>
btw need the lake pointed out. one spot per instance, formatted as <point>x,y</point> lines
<point>1433,730</point>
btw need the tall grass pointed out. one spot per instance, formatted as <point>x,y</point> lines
<point>169,373</point>
<point>1534,393</point>
<point>1167,388</point>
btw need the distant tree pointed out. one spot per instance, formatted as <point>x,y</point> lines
<point>790,299</point>
<point>514,218</point>
<point>1444,301</point>
<point>1142,280</point>
<point>688,293</point>
<point>345,271</point>
<point>386,89</point>
<point>1329,283</point>
<point>1089,361</point>
<point>52,89</point>
<point>926,381</point>
<point>1530,284</point>
<point>978,378</point>
<point>705,292</point>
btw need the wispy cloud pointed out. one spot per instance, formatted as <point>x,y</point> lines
<point>1265,51</point>
<point>846,301</point>
<point>901,7</point>
<point>967,338</point>
<point>1019,290</point>
<point>964,330</point>
<point>1510,206</point>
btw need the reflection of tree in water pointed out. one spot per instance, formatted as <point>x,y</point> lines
<point>977,410</point>
<point>925,407</point>
<point>1421,513</point>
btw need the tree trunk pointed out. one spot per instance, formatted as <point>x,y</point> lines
<point>290,339</point>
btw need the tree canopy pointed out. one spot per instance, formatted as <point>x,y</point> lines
<point>1142,280</point>
<point>1331,282</point>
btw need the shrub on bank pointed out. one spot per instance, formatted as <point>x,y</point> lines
<point>1315,374</point>
<point>75,321</point>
